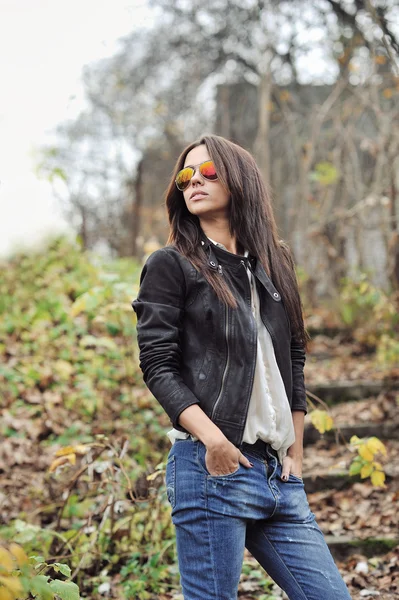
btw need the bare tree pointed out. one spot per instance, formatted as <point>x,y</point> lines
<point>158,91</point>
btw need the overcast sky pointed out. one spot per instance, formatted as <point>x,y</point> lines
<point>44,45</point>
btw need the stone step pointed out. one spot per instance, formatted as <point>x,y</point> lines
<point>334,392</point>
<point>384,431</point>
<point>345,546</point>
<point>338,479</point>
<point>331,332</point>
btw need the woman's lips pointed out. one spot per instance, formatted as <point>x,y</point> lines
<point>198,196</point>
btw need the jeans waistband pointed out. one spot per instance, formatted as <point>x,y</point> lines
<point>259,447</point>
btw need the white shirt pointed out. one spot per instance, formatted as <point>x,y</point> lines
<point>269,415</point>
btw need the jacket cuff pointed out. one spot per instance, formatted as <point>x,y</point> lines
<point>175,417</point>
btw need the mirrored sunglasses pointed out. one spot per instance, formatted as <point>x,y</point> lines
<point>206,169</point>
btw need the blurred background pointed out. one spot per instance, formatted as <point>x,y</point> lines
<point>98,98</point>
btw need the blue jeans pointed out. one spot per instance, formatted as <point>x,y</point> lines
<point>217,517</point>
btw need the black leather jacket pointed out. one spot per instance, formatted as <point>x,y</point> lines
<point>195,350</point>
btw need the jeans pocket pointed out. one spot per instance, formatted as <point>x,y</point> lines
<point>202,463</point>
<point>170,480</point>
<point>291,477</point>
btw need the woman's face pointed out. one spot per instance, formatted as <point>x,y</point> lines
<point>206,199</point>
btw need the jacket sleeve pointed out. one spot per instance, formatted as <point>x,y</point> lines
<point>298,358</point>
<point>160,308</point>
<point>298,353</point>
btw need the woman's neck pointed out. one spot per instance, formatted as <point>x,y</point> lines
<point>220,232</point>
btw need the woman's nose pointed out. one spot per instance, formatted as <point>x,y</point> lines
<point>197,177</point>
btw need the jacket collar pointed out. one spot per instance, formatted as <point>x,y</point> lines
<point>217,256</point>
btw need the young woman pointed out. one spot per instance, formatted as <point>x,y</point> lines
<point>222,348</point>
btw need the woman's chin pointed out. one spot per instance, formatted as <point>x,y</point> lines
<point>204,212</point>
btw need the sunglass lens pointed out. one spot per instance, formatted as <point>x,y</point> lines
<point>208,170</point>
<point>184,177</point>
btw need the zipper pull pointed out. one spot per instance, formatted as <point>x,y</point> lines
<point>220,269</point>
<point>247,265</point>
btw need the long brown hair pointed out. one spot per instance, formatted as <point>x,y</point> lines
<point>251,221</point>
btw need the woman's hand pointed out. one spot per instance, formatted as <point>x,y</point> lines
<point>293,465</point>
<point>223,458</point>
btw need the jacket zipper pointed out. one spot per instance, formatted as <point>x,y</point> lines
<point>226,332</point>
